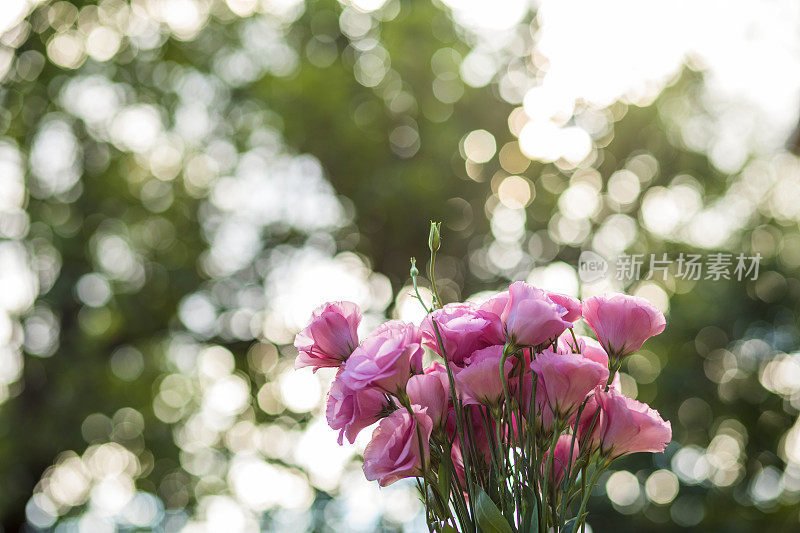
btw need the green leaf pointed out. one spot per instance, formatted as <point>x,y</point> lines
<point>444,474</point>
<point>534,523</point>
<point>449,529</point>
<point>490,519</point>
<point>569,527</point>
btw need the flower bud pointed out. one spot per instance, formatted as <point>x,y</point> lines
<point>434,239</point>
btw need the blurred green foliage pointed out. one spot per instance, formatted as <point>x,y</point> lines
<point>389,190</point>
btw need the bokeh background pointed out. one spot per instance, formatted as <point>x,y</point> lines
<point>183,181</point>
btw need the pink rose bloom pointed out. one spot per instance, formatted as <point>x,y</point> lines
<point>616,382</point>
<point>474,417</point>
<point>561,459</point>
<point>572,305</point>
<point>586,346</point>
<point>544,413</point>
<point>330,337</point>
<point>385,359</point>
<point>351,410</point>
<point>410,331</point>
<point>589,411</point>
<point>544,417</point>
<point>622,323</point>
<point>479,383</point>
<point>431,390</point>
<point>391,327</point>
<point>523,396</point>
<point>463,328</point>
<point>627,426</point>
<point>585,422</point>
<point>566,379</point>
<point>458,466</point>
<point>496,304</point>
<point>394,451</point>
<point>530,317</point>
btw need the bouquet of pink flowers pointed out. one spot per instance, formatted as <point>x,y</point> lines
<point>511,425</point>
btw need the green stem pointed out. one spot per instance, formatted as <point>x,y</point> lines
<point>459,421</point>
<point>568,475</point>
<point>437,300</point>
<point>583,488</point>
<point>404,399</point>
<point>581,517</point>
<point>414,273</point>
<point>614,369</point>
<point>507,350</point>
<point>576,349</point>
<point>550,459</point>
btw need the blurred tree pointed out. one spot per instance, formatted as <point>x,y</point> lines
<point>181,168</point>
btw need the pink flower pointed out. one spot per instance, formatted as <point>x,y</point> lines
<point>616,382</point>
<point>385,359</point>
<point>530,317</point>
<point>463,328</point>
<point>561,459</point>
<point>394,451</point>
<point>458,465</point>
<point>496,304</point>
<point>474,417</point>
<point>545,419</point>
<point>431,390</point>
<point>351,410</point>
<point>572,305</point>
<point>543,415</point>
<point>590,420</point>
<point>566,379</point>
<point>523,396</point>
<point>480,383</point>
<point>330,337</point>
<point>586,346</point>
<point>409,331</point>
<point>628,426</point>
<point>622,323</point>
<point>391,327</point>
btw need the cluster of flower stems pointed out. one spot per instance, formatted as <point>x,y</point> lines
<point>511,432</point>
<point>518,484</point>
<point>517,490</point>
